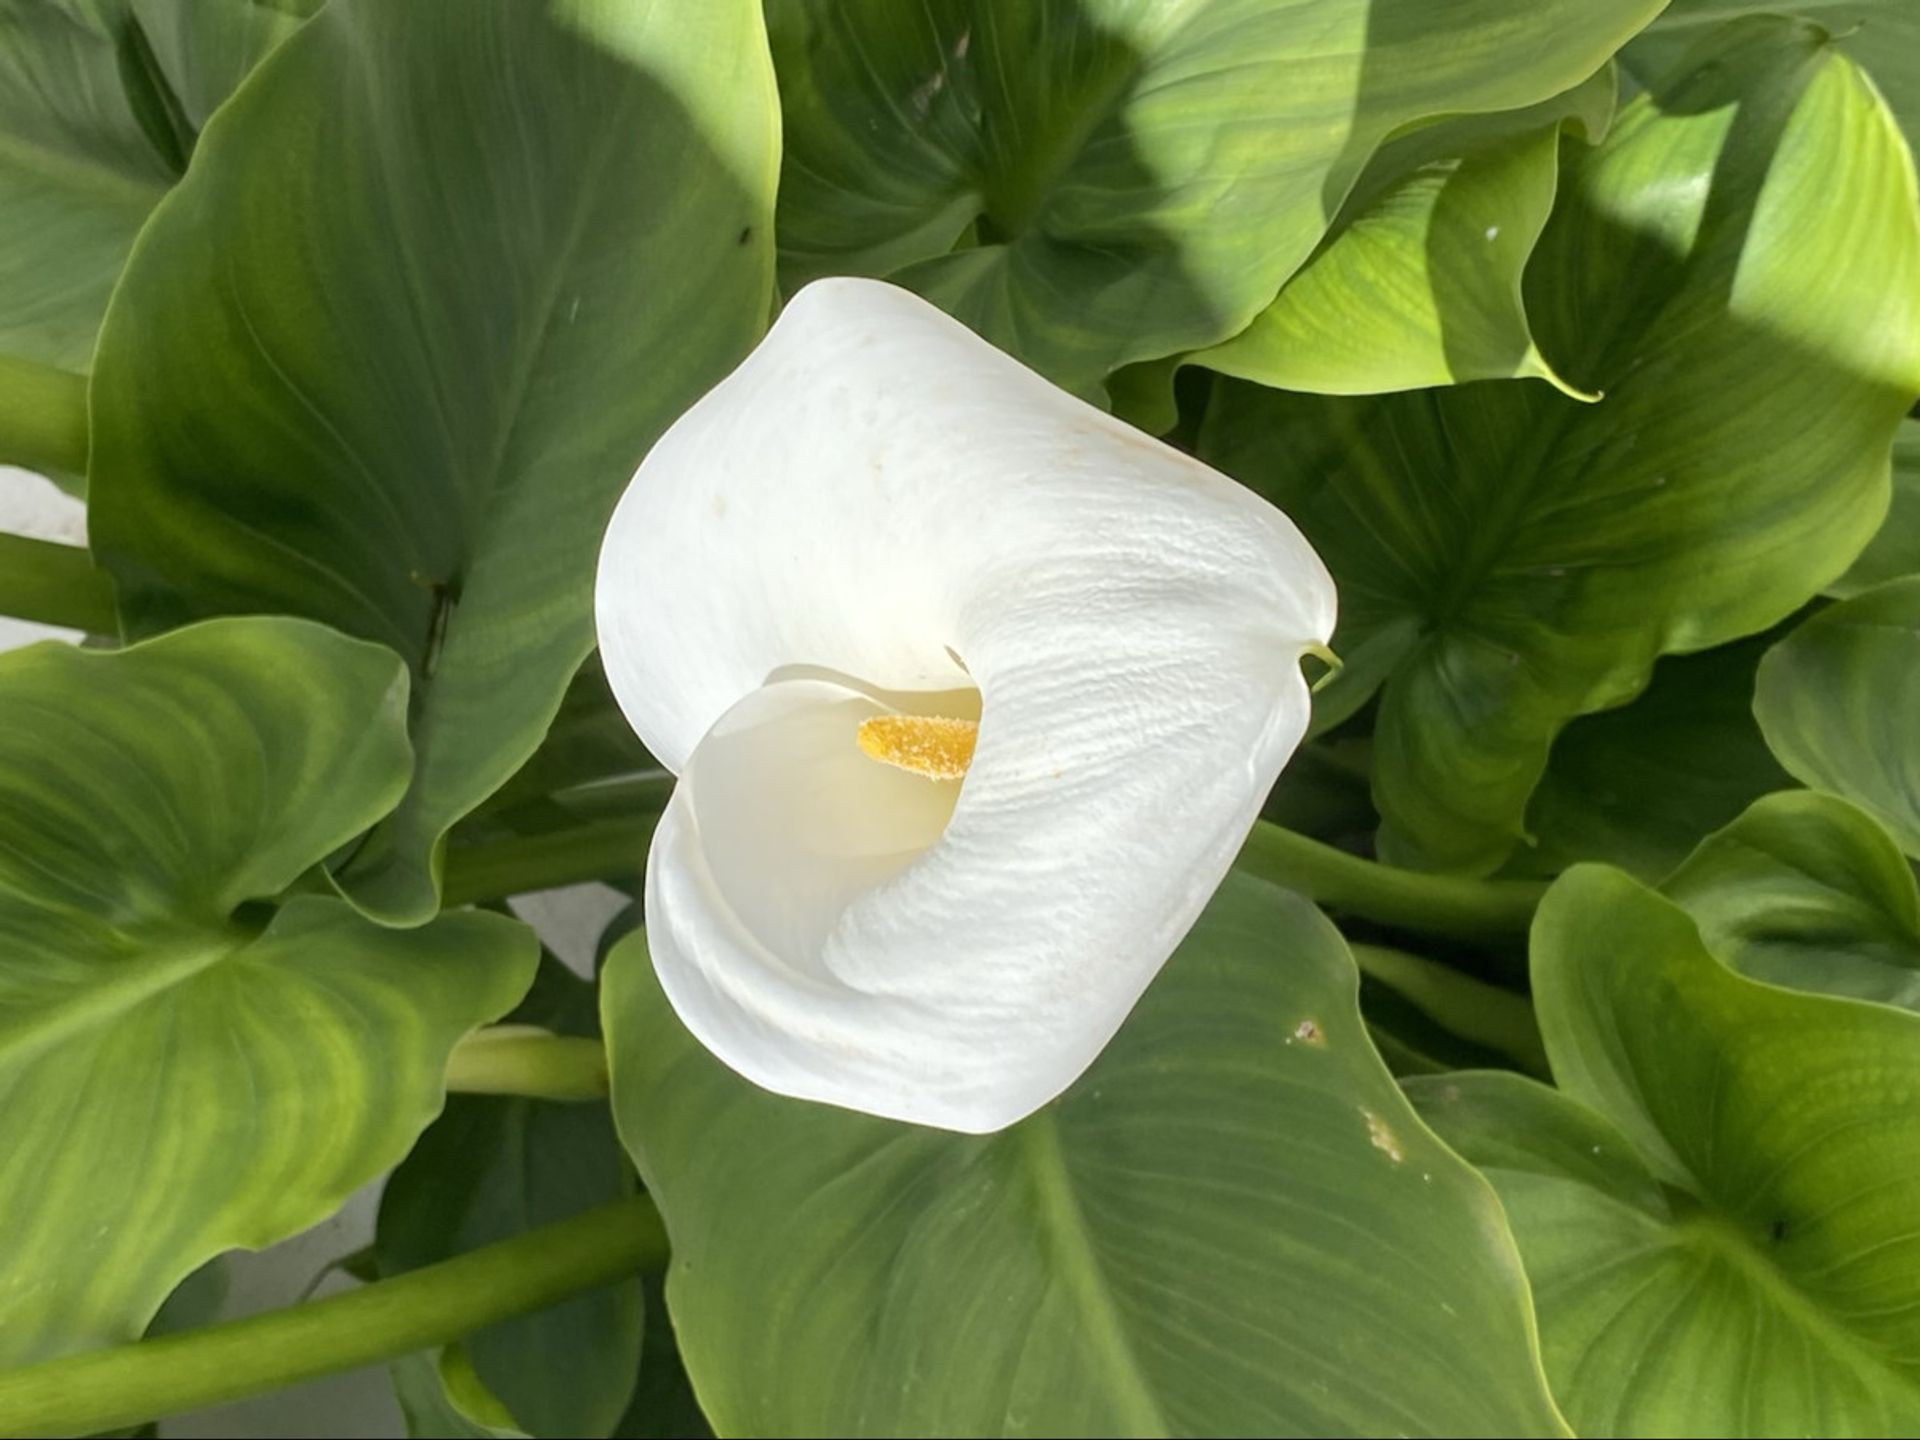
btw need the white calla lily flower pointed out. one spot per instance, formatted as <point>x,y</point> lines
<point>973,693</point>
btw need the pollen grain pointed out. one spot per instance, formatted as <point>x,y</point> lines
<point>929,745</point>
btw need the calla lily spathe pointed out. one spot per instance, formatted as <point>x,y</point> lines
<point>973,692</point>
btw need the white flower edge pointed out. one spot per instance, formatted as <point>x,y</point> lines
<point>878,504</point>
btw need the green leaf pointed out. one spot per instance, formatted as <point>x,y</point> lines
<point>1232,1224</point>
<point>99,104</point>
<point>78,174</point>
<point>1883,36</point>
<point>1717,1214</point>
<point>1806,891</point>
<point>1895,550</point>
<point>664,1406</point>
<point>1418,283</point>
<point>205,48</point>
<point>1741,254</point>
<point>427,1392</point>
<point>183,1071</point>
<point>440,274</point>
<point>1640,786</point>
<point>493,1167</point>
<point>1135,181</point>
<point>1836,701</point>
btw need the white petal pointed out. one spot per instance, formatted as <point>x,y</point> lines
<point>878,494</point>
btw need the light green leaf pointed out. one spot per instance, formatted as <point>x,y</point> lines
<point>1742,253</point>
<point>1640,786</point>
<point>1717,1214</point>
<point>1806,891</point>
<point>183,1071</point>
<point>1232,1224</point>
<point>1136,181</point>
<point>1837,701</point>
<point>492,1167</point>
<point>440,274</point>
<point>1895,550</point>
<point>1882,35</point>
<point>1418,283</point>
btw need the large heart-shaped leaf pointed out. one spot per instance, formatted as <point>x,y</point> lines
<point>99,104</point>
<point>440,273</point>
<point>1837,699</point>
<point>1716,1211</point>
<point>1231,1225</point>
<point>1640,786</point>
<point>1418,283</point>
<point>1137,180</point>
<point>1743,251</point>
<point>492,1167</point>
<point>1806,891</point>
<point>182,1072</point>
<point>1883,35</point>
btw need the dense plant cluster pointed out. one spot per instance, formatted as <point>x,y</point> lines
<point>1549,1058</point>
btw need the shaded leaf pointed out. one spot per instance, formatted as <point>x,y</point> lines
<point>1895,550</point>
<point>1640,786</point>
<point>100,102</point>
<point>78,174</point>
<point>664,1406</point>
<point>1836,701</point>
<point>1806,891</point>
<point>1882,35</point>
<point>492,1167</point>
<point>440,273</point>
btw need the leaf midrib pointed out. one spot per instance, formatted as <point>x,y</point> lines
<point>1714,1234</point>
<point>1072,1250</point>
<point>120,986</point>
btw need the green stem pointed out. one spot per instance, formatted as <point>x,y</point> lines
<point>596,850</point>
<point>129,1384</point>
<point>54,584</point>
<point>43,417</point>
<point>526,1060</point>
<point>1440,904</point>
<point>1472,1009</point>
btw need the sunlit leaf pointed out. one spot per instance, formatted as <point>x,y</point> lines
<point>1418,283</point>
<point>1740,256</point>
<point>1127,181</point>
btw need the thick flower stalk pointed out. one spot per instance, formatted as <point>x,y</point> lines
<point>973,693</point>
